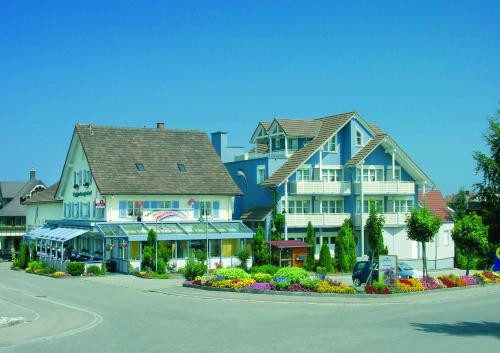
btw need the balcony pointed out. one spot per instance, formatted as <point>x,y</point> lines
<point>392,219</point>
<point>317,219</point>
<point>255,155</point>
<point>386,187</point>
<point>320,187</point>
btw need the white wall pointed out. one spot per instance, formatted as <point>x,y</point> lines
<point>46,212</point>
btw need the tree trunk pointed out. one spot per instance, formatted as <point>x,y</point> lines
<point>469,255</point>
<point>424,260</point>
<point>369,280</point>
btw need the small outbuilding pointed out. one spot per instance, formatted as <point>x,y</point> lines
<point>292,252</point>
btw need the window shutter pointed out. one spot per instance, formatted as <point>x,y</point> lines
<point>88,210</point>
<point>196,208</point>
<point>175,205</point>
<point>80,209</point>
<point>94,211</point>
<point>123,209</point>
<point>216,206</point>
<point>65,210</point>
<point>89,177</point>
<point>80,177</point>
<point>74,177</point>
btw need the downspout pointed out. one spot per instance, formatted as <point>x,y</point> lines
<point>362,208</point>
<point>286,208</point>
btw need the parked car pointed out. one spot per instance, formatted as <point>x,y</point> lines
<point>361,272</point>
<point>406,271</point>
<point>5,255</point>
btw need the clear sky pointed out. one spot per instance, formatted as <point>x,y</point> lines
<point>428,73</point>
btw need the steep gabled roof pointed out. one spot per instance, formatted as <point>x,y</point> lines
<point>366,150</point>
<point>14,208</point>
<point>112,154</point>
<point>436,203</point>
<point>265,124</point>
<point>9,189</point>
<point>328,127</point>
<point>45,196</point>
<point>299,128</point>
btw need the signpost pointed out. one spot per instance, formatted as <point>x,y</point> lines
<point>388,269</point>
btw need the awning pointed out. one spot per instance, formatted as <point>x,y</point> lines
<point>37,232</point>
<point>61,234</point>
<point>259,213</point>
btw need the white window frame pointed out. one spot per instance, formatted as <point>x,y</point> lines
<point>371,173</point>
<point>332,206</point>
<point>402,205</point>
<point>299,174</point>
<point>261,173</point>
<point>299,206</point>
<point>293,144</point>
<point>332,174</point>
<point>360,134</point>
<point>379,205</point>
<point>397,173</point>
<point>331,145</point>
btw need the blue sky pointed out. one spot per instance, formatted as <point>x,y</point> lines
<point>425,72</point>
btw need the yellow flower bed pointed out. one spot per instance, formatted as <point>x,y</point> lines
<point>59,274</point>
<point>415,286</point>
<point>233,284</point>
<point>326,287</point>
<point>143,273</point>
<point>490,277</point>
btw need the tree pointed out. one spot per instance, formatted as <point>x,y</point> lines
<point>260,249</point>
<point>489,188</point>
<point>149,251</point>
<point>459,205</point>
<point>310,263</point>
<point>422,226</point>
<point>373,230</point>
<point>345,248</point>
<point>470,234</point>
<point>325,258</point>
<point>33,255</point>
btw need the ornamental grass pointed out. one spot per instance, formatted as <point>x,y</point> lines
<point>409,285</point>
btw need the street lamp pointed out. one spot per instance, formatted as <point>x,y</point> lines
<point>205,213</point>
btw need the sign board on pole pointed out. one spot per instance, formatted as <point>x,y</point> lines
<point>388,269</point>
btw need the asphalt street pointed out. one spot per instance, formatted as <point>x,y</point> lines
<point>120,313</point>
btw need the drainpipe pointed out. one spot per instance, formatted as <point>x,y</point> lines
<point>286,208</point>
<point>393,165</point>
<point>362,208</point>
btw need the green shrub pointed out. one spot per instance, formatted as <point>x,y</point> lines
<point>325,258</point>
<point>379,286</point>
<point>269,269</point>
<point>75,268</point>
<point>231,273</point>
<point>293,274</point>
<point>194,269</point>
<point>23,257</point>
<point>36,265</point>
<point>33,255</point>
<point>94,270</point>
<point>309,283</point>
<point>282,283</point>
<point>103,267</point>
<point>243,256</point>
<point>160,275</point>
<point>321,270</point>
<point>262,277</point>
<point>162,267</point>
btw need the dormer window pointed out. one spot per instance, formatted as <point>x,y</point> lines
<point>331,146</point>
<point>359,138</point>
<point>139,167</point>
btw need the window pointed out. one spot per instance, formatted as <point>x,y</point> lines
<point>332,206</point>
<point>372,174</point>
<point>139,167</point>
<point>332,174</point>
<point>299,206</point>
<point>359,138</point>
<point>134,208</point>
<point>293,144</point>
<point>261,173</point>
<point>164,205</point>
<point>182,167</point>
<point>331,145</point>
<point>304,174</point>
<point>379,206</point>
<point>403,206</point>
<point>205,208</point>
<point>397,173</point>
<point>277,144</point>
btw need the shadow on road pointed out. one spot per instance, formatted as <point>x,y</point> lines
<point>462,328</point>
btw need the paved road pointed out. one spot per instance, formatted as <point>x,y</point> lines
<point>127,314</point>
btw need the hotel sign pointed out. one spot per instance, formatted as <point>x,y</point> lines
<point>100,203</point>
<point>82,193</point>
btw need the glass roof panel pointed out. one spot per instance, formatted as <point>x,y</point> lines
<point>111,230</point>
<point>165,228</point>
<point>134,228</point>
<point>231,227</point>
<point>198,228</point>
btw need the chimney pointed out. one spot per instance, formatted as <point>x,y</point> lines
<point>219,140</point>
<point>32,174</point>
<point>160,125</point>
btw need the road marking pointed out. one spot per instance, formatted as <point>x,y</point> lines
<point>97,320</point>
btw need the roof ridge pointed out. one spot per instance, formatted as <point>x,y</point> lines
<point>140,128</point>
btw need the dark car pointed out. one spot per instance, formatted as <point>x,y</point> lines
<point>5,255</point>
<point>362,271</point>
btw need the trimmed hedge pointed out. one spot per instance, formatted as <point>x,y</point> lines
<point>75,268</point>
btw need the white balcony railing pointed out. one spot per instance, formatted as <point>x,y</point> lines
<point>320,187</point>
<point>317,219</point>
<point>386,187</point>
<point>391,218</point>
<point>255,155</point>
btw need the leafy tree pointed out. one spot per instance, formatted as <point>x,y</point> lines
<point>310,262</point>
<point>459,205</point>
<point>243,255</point>
<point>470,234</point>
<point>373,230</point>
<point>422,226</point>
<point>325,258</point>
<point>489,188</point>
<point>33,255</point>
<point>149,251</point>
<point>260,249</point>
<point>164,252</point>
<point>345,248</point>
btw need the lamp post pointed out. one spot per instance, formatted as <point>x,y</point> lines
<point>203,213</point>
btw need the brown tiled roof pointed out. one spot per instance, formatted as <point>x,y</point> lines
<point>256,213</point>
<point>376,129</point>
<point>265,124</point>
<point>112,153</point>
<point>366,150</point>
<point>436,203</point>
<point>44,196</point>
<point>299,128</point>
<point>328,126</point>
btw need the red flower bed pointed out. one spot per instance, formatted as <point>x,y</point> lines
<point>448,281</point>
<point>372,290</point>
